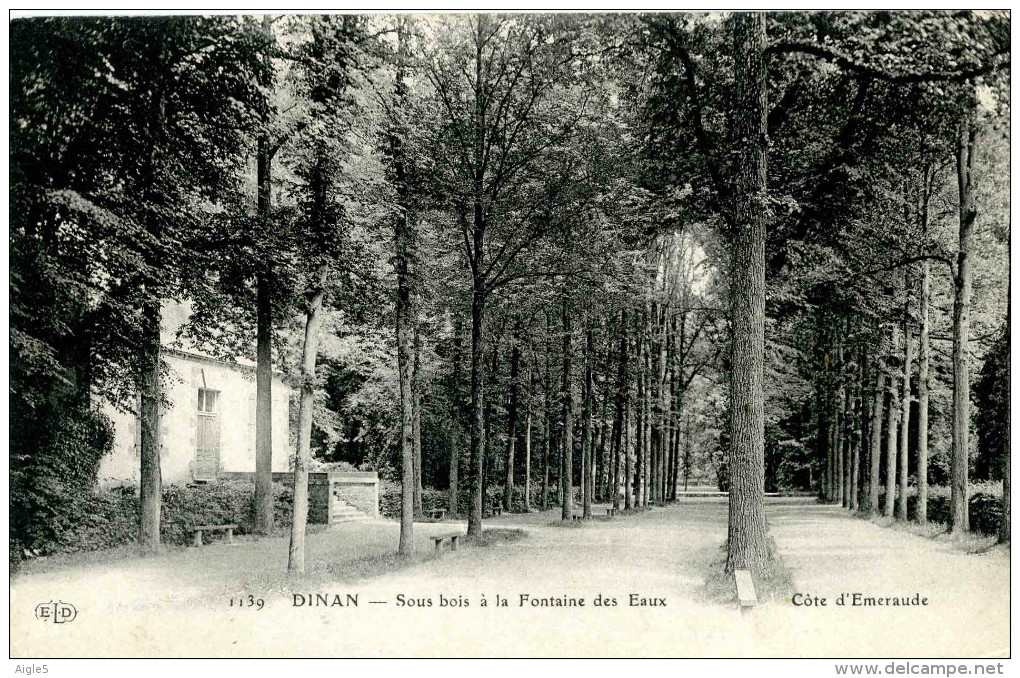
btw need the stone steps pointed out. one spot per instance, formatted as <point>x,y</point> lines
<point>345,513</point>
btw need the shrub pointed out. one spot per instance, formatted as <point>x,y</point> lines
<point>106,519</point>
<point>985,510</point>
<point>55,455</point>
<point>231,501</point>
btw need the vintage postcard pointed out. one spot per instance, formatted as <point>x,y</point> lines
<point>473,334</point>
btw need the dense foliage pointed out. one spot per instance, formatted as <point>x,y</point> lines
<point>488,246</point>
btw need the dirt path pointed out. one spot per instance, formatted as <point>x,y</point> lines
<point>967,611</point>
<point>138,608</point>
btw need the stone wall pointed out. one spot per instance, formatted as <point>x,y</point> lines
<point>359,489</point>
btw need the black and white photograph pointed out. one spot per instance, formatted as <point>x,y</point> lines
<point>511,334</point>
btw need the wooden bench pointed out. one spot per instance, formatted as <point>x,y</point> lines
<point>497,509</point>
<point>440,538</point>
<point>610,512</point>
<point>199,529</point>
<point>436,514</point>
<point>746,595</point>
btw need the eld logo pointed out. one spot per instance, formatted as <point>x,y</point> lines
<point>58,612</point>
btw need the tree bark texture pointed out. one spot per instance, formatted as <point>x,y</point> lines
<point>1004,527</point>
<point>511,430</point>
<point>264,408</point>
<point>959,518</point>
<point>547,413</point>
<point>877,405</point>
<point>904,466</point>
<point>264,511</point>
<point>151,391</point>
<point>619,398</point>
<point>891,431</point>
<point>855,440</point>
<point>922,397</point>
<point>586,445</point>
<point>477,412</point>
<point>309,351</point>
<point>416,421</point>
<point>747,546</point>
<point>452,499</point>
<point>405,368</point>
<point>568,415</point>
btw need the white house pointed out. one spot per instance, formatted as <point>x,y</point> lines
<point>208,428</point>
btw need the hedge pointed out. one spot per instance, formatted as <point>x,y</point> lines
<point>985,510</point>
<point>107,519</point>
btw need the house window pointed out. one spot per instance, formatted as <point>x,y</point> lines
<point>208,401</point>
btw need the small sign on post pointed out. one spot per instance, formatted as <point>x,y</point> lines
<point>746,595</point>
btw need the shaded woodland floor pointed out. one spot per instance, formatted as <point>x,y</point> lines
<point>177,604</point>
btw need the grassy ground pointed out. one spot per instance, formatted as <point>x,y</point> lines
<point>350,552</point>
<point>642,577</point>
<point>971,542</point>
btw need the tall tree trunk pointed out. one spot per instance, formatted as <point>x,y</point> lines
<point>527,435</point>
<point>264,509</point>
<point>848,435</point>
<point>821,393</point>
<point>586,443</point>
<point>839,416</point>
<point>1004,527</point>
<point>568,415</point>
<point>416,421</point>
<point>452,499</point>
<point>922,398</point>
<point>830,444</point>
<point>150,381</point>
<point>639,438</point>
<point>478,298</point>
<point>405,327</point>
<point>605,473</point>
<point>923,359</point>
<point>855,440</point>
<point>151,391</point>
<point>959,518</point>
<point>825,440</point>
<point>877,406</point>
<point>547,413</point>
<point>646,409</point>
<point>655,407</point>
<point>674,470</point>
<point>511,425</point>
<point>828,400</point>
<point>620,398</point>
<point>309,351</point>
<point>477,411</point>
<point>864,431</point>
<point>891,431</point>
<point>628,474</point>
<point>904,466</point>
<point>618,435</point>
<point>747,546</point>
<point>687,451</point>
<point>405,361</point>
<point>488,456</point>
<point>668,372</point>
